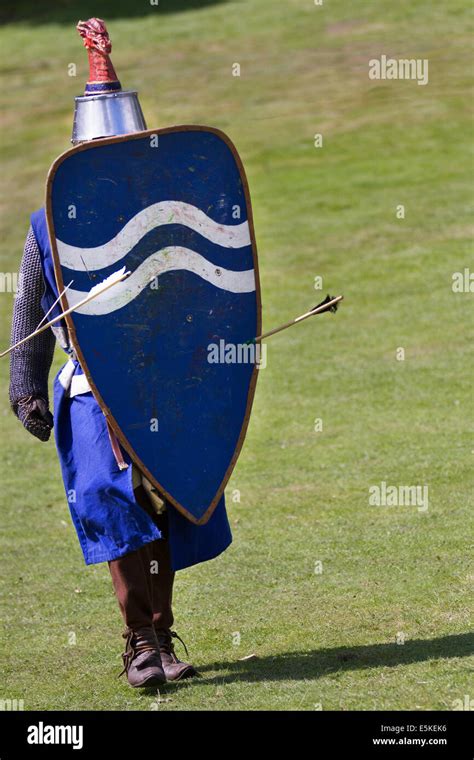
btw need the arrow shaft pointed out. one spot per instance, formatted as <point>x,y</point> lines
<point>306,315</point>
<point>54,304</point>
<point>90,297</point>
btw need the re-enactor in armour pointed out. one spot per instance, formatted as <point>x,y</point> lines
<point>119,516</point>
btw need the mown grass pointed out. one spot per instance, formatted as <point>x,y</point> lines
<point>388,573</point>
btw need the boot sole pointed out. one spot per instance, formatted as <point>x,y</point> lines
<point>152,681</point>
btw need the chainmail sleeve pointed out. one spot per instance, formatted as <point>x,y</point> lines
<point>30,363</point>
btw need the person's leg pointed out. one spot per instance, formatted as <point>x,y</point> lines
<point>161,577</point>
<point>132,583</point>
<point>162,597</point>
<point>133,587</point>
<point>143,582</point>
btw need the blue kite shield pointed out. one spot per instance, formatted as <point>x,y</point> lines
<point>166,351</point>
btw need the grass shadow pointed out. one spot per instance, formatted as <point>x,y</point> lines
<point>70,11</point>
<point>321,662</point>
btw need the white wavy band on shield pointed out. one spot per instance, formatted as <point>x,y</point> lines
<point>165,260</point>
<point>156,215</point>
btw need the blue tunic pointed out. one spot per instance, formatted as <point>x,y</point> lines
<point>107,518</point>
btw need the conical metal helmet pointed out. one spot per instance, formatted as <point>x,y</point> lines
<point>105,109</point>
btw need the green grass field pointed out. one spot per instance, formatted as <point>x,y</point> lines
<point>384,622</point>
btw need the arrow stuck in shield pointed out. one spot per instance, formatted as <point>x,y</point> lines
<point>330,303</point>
<point>95,291</point>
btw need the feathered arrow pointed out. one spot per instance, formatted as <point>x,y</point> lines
<point>330,303</point>
<point>97,290</point>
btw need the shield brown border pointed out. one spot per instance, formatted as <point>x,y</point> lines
<point>90,145</point>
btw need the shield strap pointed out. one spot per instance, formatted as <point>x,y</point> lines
<point>122,465</point>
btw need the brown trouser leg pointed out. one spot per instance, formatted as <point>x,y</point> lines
<point>143,580</point>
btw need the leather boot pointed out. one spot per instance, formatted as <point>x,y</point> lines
<point>175,670</point>
<point>141,659</point>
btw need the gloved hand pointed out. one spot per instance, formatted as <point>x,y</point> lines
<point>35,416</point>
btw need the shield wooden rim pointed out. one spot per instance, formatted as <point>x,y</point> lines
<point>91,145</point>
